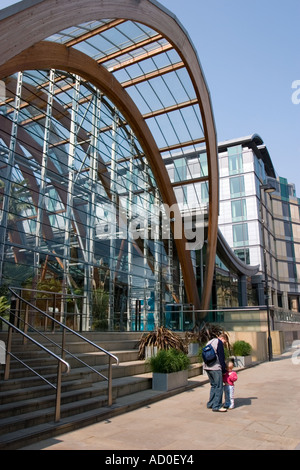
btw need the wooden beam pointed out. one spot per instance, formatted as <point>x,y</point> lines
<point>94,32</point>
<point>180,145</point>
<point>154,74</point>
<point>129,49</point>
<point>170,109</point>
<point>141,57</point>
<point>201,179</point>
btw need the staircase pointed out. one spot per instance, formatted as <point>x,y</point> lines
<point>27,403</point>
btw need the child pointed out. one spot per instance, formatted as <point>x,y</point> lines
<point>229,378</point>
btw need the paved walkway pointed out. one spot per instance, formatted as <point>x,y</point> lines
<point>266,417</point>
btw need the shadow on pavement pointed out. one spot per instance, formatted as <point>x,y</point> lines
<point>243,401</point>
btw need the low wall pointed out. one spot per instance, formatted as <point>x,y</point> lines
<point>290,337</point>
<point>259,343</point>
<point>245,320</point>
<point>257,339</point>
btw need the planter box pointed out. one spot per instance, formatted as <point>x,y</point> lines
<point>165,382</point>
<point>193,349</point>
<point>150,351</point>
<point>242,361</point>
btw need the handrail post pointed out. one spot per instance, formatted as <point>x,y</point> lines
<point>63,343</point>
<point>58,392</point>
<point>110,400</point>
<point>58,384</point>
<point>8,350</point>
<point>53,312</point>
<point>26,319</point>
<point>61,360</point>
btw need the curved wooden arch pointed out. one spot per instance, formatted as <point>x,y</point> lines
<point>29,25</point>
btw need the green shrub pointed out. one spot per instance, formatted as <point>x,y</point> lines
<point>241,348</point>
<point>200,358</point>
<point>169,360</point>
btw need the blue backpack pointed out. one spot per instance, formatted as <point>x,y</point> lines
<point>209,354</point>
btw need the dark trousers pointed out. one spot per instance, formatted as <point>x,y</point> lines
<point>216,389</point>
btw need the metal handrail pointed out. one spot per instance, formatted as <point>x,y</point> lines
<point>54,296</point>
<point>59,367</point>
<point>65,329</point>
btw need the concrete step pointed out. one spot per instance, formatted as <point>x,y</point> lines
<point>29,412</point>
<point>27,403</point>
<point>92,358</point>
<point>123,404</point>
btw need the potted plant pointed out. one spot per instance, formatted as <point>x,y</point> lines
<point>192,341</point>
<point>160,338</point>
<point>170,369</point>
<point>4,312</point>
<point>199,337</point>
<point>242,353</point>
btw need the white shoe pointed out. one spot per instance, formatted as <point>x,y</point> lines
<point>221,410</point>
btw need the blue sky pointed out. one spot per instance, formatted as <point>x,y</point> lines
<point>250,54</point>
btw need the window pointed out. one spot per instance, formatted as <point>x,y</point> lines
<point>285,209</point>
<point>203,164</point>
<point>237,186</point>
<point>238,210</point>
<point>235,160</point>
<point>180,169</point>
<point>290,250</point>
<point>288,229</point>
<point>259,169</point>
<point>204,192</point>
<point>291,271</point>
<point>240,234</point>
<point>243,254</point>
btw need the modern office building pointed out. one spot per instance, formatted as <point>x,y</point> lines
<point>259,219</point>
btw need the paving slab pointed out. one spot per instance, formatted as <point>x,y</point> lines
<point>266,417</point>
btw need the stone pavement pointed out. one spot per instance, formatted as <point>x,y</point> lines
<point>266,417</point>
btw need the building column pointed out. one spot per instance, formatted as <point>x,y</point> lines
<point>243,291</point>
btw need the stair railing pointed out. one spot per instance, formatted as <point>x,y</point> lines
<point>60,363</point>
<point>65,328</point>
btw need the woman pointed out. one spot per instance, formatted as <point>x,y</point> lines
<point>215,373</point>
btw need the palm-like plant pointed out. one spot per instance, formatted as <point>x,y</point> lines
<point>4,305</point>
<point>162,338</point>
<point>204,333</point>
<point>4,308</point>
<point>19,200</point>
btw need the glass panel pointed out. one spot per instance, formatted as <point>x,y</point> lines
<point>238,210</point>
<point>240,234</point>
<point>243,254</point>
<point>84,207</point>
<point>237,186</point>
<point>235,160</point>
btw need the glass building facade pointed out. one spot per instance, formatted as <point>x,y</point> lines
<point>80,207</point>
<point>253,221</point>
<point>91,112</point>
<point>111,176</point>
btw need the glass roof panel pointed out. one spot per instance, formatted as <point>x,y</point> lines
<point>76,31</point>
<point>160,86</point>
